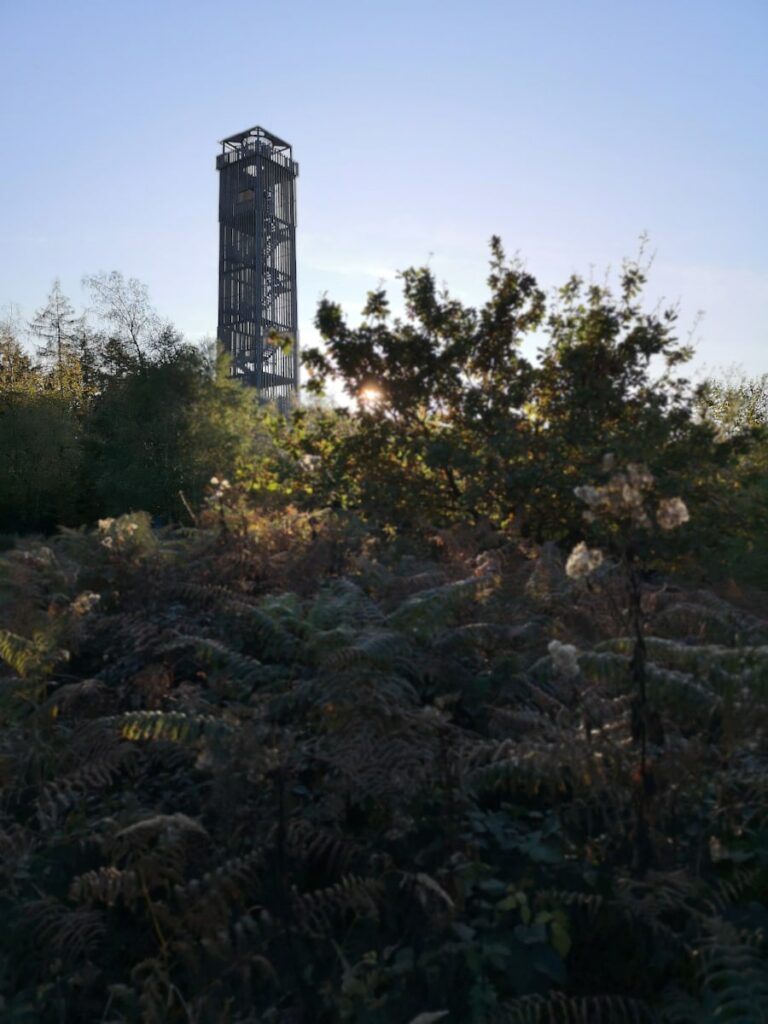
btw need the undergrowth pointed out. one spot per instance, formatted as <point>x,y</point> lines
<point>294,772</point>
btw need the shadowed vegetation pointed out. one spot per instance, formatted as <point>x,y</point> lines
<point>450,704</point>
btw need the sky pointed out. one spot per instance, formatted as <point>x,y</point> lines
<point>421,128</point>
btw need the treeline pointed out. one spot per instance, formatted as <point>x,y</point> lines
<point>446,419</point>
<point>112,412</point>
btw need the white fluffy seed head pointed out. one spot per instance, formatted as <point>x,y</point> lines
<point>582,561</point>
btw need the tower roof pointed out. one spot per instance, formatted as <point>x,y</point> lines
<point>252,134</point>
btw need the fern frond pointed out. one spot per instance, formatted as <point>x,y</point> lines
<point>87,698</point>
<point>743,883</point>
<point>671,895</point>
<point>171,827</point>
<point>604,668</point>
<point>706,662</point>
<point>553,770</point>
<point>400,587</point>
<point>519,723</point>
<point>491,638</point>
<point>429,611</point>
<point>343,603</point>
<point>532,773</point>
<point>351,896</point>
<point>319,849</point>
<point>558,1008</point>
<point>246,670</point>
<point>235,941</point>
<point>609,666</point>
<point>64,791</point>
<point>706,618</point>
<point>172,725</point>
<point>107,885</point>
<point>381,763</point>
<point>212,896</point>
<point>734,980</point>
<point>17,846</point>
<point>161,848</point>
<point>359,691</point>
<point>380,649</point>
<point>589,902</point>
<point>427,890</point>
<point>157,994</point>
<point>273,639</point>
<point>67,933</point>
<point>33,658</point>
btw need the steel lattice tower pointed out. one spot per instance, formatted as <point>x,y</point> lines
<point>257,260</point>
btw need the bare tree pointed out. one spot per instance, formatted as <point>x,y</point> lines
<point>124,304</point>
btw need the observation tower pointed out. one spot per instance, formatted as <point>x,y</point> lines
<point>257,261</point>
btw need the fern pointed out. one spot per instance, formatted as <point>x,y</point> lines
<point>32,659</point>
<point>87,698</point>
<point>274,641</point>
<point>562,1009</point>
<point>732,984</point>
<point>317,911</point>
<point>214,895</point>
<point>376,649</point>
<point>357,790</point>
<point>320,850</point>
<point>428,612</point>
<point>60,795</point>
<point>107,885</point>
<point>174,726</point>
<point>248,671</point>
<point>73,934</point>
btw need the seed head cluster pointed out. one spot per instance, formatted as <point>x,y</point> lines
<point>582,561</point>
<point>565,659</point>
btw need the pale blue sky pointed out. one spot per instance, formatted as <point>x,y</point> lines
<point>421,128</point>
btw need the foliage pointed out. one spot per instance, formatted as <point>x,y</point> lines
<point>276,768</point>
<point>357,743</point>
<point>454,423</point>
<point>450,421</point>
<point>155,434</point>
<point>737,406</point>
<point>38,441</point>
<point>123,415</point>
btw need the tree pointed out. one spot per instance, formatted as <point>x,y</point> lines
<point>40,464</point>
<point>454,423</point>
<point>608,381</point>
<point>18,375</point>
<point>39,449</point>
<point>737,409</point>
<point>124,305</point>
<point>167,430</point>
<point>59,329</point>
<point>736,404</point>
<point>451,385</point>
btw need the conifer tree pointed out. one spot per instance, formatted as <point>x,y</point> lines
<point>17,372</point>
<point>58,328</point>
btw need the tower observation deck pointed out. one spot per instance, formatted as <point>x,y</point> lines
<point>257,260</point>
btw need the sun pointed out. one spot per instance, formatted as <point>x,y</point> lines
<point>369,396</point>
